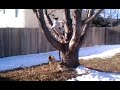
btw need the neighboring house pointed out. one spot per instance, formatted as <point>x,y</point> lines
<point>18,18</point>
<point>25,18</point>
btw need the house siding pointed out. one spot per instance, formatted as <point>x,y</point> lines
<point>30,19</point>
<point>8,19</point>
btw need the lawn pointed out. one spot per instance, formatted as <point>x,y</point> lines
<point>46,73</point>
<point>107,64</point>
<point>37,73</point>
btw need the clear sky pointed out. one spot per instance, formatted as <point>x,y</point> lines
<point>114,13</point>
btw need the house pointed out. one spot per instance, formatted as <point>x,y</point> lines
<point>25,18</point>
<point>18,18</point>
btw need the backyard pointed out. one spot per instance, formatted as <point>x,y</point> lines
<point>97,63</point>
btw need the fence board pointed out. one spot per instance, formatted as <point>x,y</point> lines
<point>20,41</point>
<point>6,41</point>
<point>1,43</point>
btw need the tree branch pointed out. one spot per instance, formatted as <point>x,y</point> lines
<point>87,25</point>
<point>67,24</point>
<point>93,16</point>
<point>36,13</point>
<point>68,20</point>
<point>48,18</point>
<point>56,44</point>
<point>51,12</point>
<point>76,28</point>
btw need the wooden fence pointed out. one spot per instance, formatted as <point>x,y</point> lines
<point>21,41</point>
<point>102,36</point>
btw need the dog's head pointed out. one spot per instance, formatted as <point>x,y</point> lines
<point>51,59</point>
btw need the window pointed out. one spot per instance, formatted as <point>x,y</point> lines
<point>3,10</point>
<point>16,12</point>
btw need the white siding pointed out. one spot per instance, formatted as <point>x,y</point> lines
<point>9,20</point>
<point>30,19</point>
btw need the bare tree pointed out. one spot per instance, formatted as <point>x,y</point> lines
<point>75,32</point>
<point>112,16</point>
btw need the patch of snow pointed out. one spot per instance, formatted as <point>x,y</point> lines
<point>99,51</point>
<point>12,62</point>
<point>95,76</point>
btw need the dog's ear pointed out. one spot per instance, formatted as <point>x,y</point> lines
<point>49,57</point>
<point>56,18</point>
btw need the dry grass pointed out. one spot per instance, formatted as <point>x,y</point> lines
<point>38,73</point>
<point>108,65</point>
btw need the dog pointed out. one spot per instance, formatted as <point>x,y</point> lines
<point>59,32</point>
<point>51,59</point>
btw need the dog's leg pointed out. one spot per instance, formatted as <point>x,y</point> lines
<point>59,55</point>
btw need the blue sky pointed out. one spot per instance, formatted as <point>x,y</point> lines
<point>113,12</point>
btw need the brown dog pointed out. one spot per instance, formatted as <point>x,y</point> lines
<point>51,59</point>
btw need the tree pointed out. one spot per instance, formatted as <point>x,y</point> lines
<point>75,32</point>
<point>107,18</point>
<point>111,17</point>
<point>99,21</point>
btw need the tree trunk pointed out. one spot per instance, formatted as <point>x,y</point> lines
<point>70,58</point>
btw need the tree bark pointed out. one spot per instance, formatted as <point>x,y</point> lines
<point>70,53</point>
<point>67,24</point>
<point>76,28</point>
<point>48,18</point>
<point>70,58</point>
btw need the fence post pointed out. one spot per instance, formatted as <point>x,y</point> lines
<point>105,36</point>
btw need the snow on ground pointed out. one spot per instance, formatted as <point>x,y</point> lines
<point>95,75</point>
<point>12,62</point>
<point>97,51</point>
<point>101,51</point>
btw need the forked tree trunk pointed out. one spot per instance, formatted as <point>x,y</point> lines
<point>74,35</point>
<point>70,58</point>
